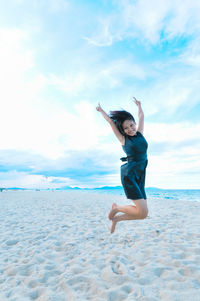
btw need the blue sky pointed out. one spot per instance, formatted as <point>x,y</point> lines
<point>60,58</point>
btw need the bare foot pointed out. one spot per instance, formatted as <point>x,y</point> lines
<point>112,229</point>
<point>113,211</point>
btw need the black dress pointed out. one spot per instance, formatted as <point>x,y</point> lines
<point>133,172</point>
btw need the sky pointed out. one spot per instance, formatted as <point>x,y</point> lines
<point>60,58</point>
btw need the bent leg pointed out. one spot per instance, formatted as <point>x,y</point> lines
<point>118,218</point>
<point>141,206</point>
<point>139,211</point>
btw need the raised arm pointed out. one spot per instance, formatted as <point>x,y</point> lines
<point>140,116</point>
<point>117,133</point>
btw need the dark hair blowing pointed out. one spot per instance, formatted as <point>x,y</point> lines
<point>119,117</point>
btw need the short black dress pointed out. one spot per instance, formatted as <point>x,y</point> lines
<point>133,172</point>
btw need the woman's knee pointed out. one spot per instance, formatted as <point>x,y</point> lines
<point>143,213</point>
<point>142,208</point>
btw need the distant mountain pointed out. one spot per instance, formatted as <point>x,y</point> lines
<point>120,187</point>
<point>68,188</point>
<point>76,188</point>
<point>153,188</point>
<point>95,188</point>
<point>108,187</point>
<point>13,188</point>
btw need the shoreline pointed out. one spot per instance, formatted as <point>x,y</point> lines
<point>167,194</point>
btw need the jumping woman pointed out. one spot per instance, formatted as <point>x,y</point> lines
<point>133,172</point>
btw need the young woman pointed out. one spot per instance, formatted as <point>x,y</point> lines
<point>133,172</point>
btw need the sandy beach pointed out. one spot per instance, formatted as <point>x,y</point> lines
<point>57,246</point>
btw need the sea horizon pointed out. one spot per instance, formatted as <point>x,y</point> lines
<point>92,188</point>
<point>151,192</point>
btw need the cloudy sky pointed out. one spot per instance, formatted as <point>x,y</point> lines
<point>58,59</point>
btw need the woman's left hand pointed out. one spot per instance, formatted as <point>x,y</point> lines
<point>137,102</point>
<point>99,108</point>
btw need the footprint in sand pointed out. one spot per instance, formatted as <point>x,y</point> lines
<point>79,283</point>
<point>35,294</point>
<point>10,271</point>
<point>188,271</point>
<point>117,268</point>
<point>33,283</point>
<point>25,270</point>
<point>12,242</point>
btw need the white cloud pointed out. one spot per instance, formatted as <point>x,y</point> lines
<point>31,122</point>
<point>106,33</point>
<point>50,5</point>
<point>118,70</point>
<point>175,18</point>
<point>185,18</point>
<point>81,129</point>
<point>147,21</point>
<point>104,38</point>
<point>175,132</point>
<point>173,92</point>
<point>71,84</point>
<point>108,75</point>
<point>29,181</point>
<point>191,55</point>
<point>58,5</point>
<point>19,91</point>
<point>144,19</point>
<point>173,154</point>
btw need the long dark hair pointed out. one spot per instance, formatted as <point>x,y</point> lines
<point>119,117</point>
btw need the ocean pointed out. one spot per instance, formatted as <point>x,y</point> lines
<point>168,194</point>
<point>155,193</point>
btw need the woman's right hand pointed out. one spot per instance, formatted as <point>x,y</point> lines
<point>99,108</point>
<point>137,102</point>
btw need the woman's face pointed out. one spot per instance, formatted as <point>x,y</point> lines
<point>129,127</point>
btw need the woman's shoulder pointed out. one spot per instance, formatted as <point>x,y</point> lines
<point>123,141</point>
<point>139,133</point>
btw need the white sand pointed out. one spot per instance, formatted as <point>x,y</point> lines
<point>56,246</point>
